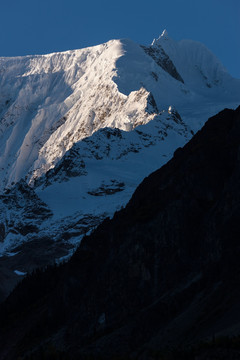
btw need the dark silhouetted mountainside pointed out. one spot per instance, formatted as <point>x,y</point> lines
<point>163,273</point>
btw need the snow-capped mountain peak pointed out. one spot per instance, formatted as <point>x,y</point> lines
<point>164,33</point>
<point>84,127</point>
<point>196,64</point>
<point>50,102</point>
<point>163,36</point>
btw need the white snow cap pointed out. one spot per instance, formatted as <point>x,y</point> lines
<point>164,33</point>
<point>171,109</point>
<point>163,36</point>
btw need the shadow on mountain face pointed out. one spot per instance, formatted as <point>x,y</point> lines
<point>163,273</point>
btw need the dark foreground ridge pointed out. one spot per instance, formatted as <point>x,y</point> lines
<point>163,274</point>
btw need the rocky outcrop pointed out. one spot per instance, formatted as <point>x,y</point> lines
<point>162,59</point>
<point>22,211</point>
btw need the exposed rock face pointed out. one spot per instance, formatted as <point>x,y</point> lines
<point>21,216</point>
<point>163,60</point>
<point>163,272</point>
<point>22,212</point>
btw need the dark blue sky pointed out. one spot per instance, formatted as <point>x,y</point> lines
<point>44,26</point>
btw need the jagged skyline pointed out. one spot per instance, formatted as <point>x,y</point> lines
<point>43,27</point>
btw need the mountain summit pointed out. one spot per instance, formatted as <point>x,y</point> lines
<point>164,35</point>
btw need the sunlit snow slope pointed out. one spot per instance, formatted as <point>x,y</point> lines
<point>50,102</point>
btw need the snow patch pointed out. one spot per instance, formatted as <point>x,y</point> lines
<point>20,273</point>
